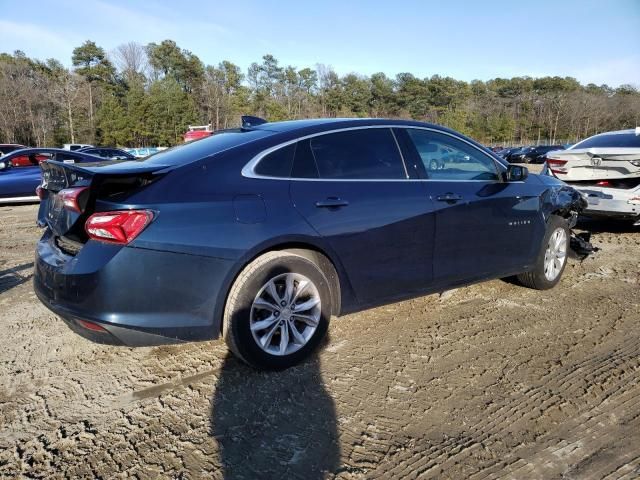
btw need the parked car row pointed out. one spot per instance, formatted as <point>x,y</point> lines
<point>528,154</point>
<point>144,152</point>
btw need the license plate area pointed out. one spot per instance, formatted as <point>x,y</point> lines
<point>55,208</point>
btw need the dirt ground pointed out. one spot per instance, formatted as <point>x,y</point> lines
<point>488,381</point>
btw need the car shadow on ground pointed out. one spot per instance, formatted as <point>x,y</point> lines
<point>274,424</point>
<point>12,277</point>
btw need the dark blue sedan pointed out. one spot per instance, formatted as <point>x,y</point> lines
<point>263,233</point>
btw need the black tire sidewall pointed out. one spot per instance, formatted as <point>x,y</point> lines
<point>240,312</point>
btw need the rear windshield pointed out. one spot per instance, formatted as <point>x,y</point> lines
<point>607,140</point>
<point>205,147</point>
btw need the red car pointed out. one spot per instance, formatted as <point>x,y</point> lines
<point>197,132</point>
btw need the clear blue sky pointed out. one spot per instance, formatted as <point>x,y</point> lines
<point>594,41</point>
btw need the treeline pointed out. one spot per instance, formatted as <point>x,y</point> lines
<point>148,95</point>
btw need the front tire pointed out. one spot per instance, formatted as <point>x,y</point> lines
<point>278,311</point>
<point>552,258</point>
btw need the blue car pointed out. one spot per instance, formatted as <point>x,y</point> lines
<point>20,172</point>
<point>263,233</point>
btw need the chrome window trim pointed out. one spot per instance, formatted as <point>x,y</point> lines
<point>404,164</point>
<point>248,170</point>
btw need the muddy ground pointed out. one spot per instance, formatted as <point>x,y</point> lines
<point>490,381</point>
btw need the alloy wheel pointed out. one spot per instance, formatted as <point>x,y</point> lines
<point>556,254</point>
<point>285,314</point>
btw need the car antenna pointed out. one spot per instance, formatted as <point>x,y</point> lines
<point>248,121</point>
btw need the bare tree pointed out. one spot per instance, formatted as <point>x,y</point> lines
<point>66,91</point>
<point>131,59</point>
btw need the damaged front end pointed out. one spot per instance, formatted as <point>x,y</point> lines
<point>565,201</point>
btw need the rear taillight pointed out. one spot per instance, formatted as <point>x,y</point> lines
<point>71,198</point>
<point>557,166</point>
<point>603,183</point>
<point>119,227</point>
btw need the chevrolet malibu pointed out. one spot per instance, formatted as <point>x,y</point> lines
<point>261,234</point>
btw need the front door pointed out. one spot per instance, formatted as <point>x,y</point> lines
<point>484,226</point>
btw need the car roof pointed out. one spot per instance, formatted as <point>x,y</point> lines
<point>629,131</point>
<point>320,124</point>
<point>301,128</point>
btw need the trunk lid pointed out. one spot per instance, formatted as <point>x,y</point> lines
<point>584,164</point>
<point>100,180</point>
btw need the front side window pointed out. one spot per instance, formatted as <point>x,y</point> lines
<point>446,158</point>
<point>370,153</point>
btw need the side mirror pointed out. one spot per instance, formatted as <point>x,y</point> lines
<point>516,173</point>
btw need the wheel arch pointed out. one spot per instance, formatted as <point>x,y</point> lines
<point>330,265</point>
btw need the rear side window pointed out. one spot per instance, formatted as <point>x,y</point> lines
<point>611,140</point>
<point>358,154</point>
<point>277,163</point>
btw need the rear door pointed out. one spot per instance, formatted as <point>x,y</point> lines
<point>353,188</point>
<point>483,225</point>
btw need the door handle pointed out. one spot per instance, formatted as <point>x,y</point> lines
<point>449,197</point>
<point>332,202</point>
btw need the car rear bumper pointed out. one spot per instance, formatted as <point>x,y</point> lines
<point>138,296</point>
<point>612,202</point>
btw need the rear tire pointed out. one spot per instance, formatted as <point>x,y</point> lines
<point>278,311</point>
<point>552,258</point>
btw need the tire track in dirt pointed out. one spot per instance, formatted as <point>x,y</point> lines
<point>489,381</point>
<point>532,403</point>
